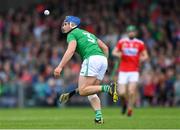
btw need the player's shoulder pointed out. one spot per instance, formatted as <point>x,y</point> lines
<point>122,40</point>
<point>79,30</point>
<point>85,31</point>
<point>138,41</point>
<point>73,32</point>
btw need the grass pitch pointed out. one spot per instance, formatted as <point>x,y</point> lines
<point>82,118</point>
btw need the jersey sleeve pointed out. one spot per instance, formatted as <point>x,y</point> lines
<point>119,45</point>
<point>142,47</point>
<point>70,37</point>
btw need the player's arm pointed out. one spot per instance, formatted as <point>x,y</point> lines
<point>116,52</point>
<point>68,54</point>
<point>104,47</point>
<point>144,56</point>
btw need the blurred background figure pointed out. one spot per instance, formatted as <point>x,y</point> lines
<point>31,45</point>
<point>131,52</point>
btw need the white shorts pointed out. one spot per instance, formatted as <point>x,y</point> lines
<point>126,77</point>
<point>95,66</point>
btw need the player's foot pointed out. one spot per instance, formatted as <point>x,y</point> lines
<point>113,91</point>
<point>129,113</point>
<point>124,108</point>
<point>64,97</point>
<point>100,121</point>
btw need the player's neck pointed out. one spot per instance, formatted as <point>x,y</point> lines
<point>72,30</point>
<point>131,38</point>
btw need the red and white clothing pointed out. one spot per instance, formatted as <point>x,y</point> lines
<point>130,53</point>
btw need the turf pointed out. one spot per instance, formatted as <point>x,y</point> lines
<point>82,118</point>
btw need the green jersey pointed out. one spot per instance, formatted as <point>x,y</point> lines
<point>86,43</point>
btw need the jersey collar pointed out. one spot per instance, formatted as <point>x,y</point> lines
<point>72,30</point>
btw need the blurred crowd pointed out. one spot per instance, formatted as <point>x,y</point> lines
<point>32,45</point>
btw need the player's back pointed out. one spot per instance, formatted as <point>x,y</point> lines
<point>86,43</point>
<point>131,49</point>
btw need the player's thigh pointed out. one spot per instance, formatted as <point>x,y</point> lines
<point>87,74</point>
<point>97,82</point>
<point>121,89</point>
<point>86,81</point>
<point>133,79</point>
<point>122,83</point>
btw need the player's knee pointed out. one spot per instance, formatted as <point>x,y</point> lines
<point>121,91</point>
<point>82,91</point>
<point>131,92</point>
<point>132,88</point>
<point>93,97</point>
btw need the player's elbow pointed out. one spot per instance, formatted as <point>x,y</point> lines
<point>146,57</point>
<point>106,49</point>
<point>114,53</point>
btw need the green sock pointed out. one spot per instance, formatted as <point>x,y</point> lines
<point>98,114</point>
<point>105,88</point>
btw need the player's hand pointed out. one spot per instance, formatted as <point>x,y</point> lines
<point>57,71</point>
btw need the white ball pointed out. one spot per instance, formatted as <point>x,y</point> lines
<point>46,12</point>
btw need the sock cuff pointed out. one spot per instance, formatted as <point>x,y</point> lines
<point>98,111</point>
<point>105,88</point>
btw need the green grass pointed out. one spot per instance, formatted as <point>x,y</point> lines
<point>82,118</point>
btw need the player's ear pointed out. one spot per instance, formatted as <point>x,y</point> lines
<point>72,25</point>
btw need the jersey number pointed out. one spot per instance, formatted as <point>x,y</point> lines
<point>90,39</point>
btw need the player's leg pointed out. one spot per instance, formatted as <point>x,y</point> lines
<point>123,97</point>
<point>94,71</point>
<point>94,99</point>
<point>86,90</point>
<point>96,105</point>
<point>131,97</point>
<point>122,90</point>
<point>63,98</point>
<point>86,87</point>
<point>133,79</point>
<point>90,69</point>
